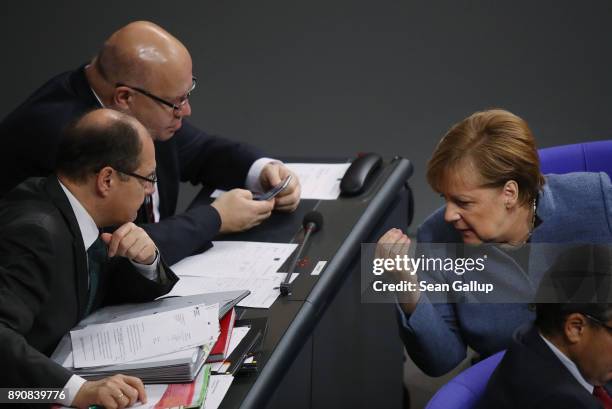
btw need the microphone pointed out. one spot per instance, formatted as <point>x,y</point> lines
<point>312,223</point>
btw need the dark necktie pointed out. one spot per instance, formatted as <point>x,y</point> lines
<point>148,204</point>
<point>96,258</point>
<point>603,396</point>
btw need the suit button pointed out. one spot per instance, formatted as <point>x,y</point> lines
<point>531,307</point>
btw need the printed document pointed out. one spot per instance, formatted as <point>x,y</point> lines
<point>237,259</point>
<point>264,289</point>
<point>235,265</point>
<point>145,337</point>
<point>319,181</point>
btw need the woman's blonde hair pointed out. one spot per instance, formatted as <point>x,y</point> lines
<point>495,142</point>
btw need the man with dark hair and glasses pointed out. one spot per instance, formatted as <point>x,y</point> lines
<point>144,71</point>
<point>565,360</point>
<point>55,265</point>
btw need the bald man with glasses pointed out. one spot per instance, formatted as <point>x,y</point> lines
<point>144,71</point>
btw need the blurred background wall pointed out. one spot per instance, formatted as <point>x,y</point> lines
<point>337,77</point>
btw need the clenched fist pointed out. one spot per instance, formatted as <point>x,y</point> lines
<point>130,241</point>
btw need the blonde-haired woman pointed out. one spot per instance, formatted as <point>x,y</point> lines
<point>487,169</point>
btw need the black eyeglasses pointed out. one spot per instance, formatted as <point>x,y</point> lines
<point>152,179</point>
<point>598,321</point>
<point>176,108</point>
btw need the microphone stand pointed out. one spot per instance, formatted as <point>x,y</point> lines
<point>285,286</point>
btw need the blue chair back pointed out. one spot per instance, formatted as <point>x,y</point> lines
<point>581,157</point>
<point>464,390</point>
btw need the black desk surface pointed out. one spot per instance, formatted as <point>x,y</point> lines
<point>347,223</point>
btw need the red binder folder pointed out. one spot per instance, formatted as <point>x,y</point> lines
<point>226,325</point>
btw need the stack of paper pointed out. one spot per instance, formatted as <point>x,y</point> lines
<point>205,394</point>
<point>166,341</point>
<point>180,395</point>
<point>235,265</point>
<point>182,366</point>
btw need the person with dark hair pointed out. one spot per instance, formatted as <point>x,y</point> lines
<point>487,169</point>
<point>85,149</point>
<point>144,71</point>
<point>55,265</point>
<point>565,359</point>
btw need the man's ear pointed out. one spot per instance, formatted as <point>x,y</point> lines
<point>122,98</point>
<point>105,181</point>
<point>574,327</point>
<point>510,192</point>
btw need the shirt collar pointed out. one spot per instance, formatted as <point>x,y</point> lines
<point>87,225</point>
<point>97,97</point>
<point>569,364</point>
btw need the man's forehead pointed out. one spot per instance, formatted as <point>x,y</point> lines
<point>172,83</point>
<point>147,163</point>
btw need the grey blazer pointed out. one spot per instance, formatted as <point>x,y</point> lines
<point>572,208</point>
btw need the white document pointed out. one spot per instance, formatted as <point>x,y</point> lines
<point>264,289</point>
<point>238,334</point>
<point>155,394</point>
<point>191,353</point>
<point>320,181</point>
<point>145,337</point>
<point>235,265</point>
<point>236,259</point>
<point>218,385</point>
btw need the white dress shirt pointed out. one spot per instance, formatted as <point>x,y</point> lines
<point>570,365</point>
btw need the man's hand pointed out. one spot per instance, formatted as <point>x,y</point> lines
<point>238,210</point>
<point>274,173</point>
<point>132,242</point>
<point>115,392</point>
<point>392,244</point>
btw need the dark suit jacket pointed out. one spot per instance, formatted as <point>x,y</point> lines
<point>29,138</point>
<point>44,282</point>
<point>531,376</point>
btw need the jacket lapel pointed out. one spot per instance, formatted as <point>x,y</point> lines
<point>80,86</point>
<point>58,197</point>
<point>167,176</point>
<point>558,373</point>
